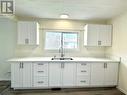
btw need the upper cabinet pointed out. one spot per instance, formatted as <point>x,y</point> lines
<point>98,35</point>
<point>28,33</point>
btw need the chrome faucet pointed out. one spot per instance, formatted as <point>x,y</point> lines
<point>61,51</point>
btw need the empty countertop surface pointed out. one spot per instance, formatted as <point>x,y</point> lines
<point>49,59</point>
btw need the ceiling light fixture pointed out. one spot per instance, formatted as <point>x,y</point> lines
<point>64,16</point>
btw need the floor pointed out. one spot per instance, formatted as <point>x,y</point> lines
<point>97,91</point>
<point>5,90</point>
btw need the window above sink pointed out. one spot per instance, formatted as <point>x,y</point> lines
<point>55,39</point>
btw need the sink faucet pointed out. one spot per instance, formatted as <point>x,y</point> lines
<point>61,51</point>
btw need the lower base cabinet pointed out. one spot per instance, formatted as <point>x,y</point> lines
<point>40,74</point>
<point>21,75</point>
<point>62,74</point>
<point>83,74</point>
<point>104,74</point>
<point>55,75</point>
<point>30,75</point>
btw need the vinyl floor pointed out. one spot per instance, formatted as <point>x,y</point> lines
<point>89,91</point>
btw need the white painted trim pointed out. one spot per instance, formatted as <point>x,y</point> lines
<point>122,90</point>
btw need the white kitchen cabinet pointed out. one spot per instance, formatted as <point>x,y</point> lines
<point>21,74</point>
<point>83,74</point>
<point>69,74</point>
<point>104,74</point>
<point>28,33</point>
<point>62,74</point>
<point>97,74</point>
<point>16,75</point>
<point>111,74</point>
<point>40,74</point>
<point>97,35</point>
<point>55,75</point>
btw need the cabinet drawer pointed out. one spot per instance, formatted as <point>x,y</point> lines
<point>83,65</point>
<point>83,80</point>
<point>40,82</point>
<point>83,71</point>
<point>41,72</point>
<point>40,65</point>
<point>40,69</point>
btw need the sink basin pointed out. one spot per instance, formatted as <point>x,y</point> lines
<point>61,58</point>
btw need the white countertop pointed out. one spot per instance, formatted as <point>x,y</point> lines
<point>48,59</point>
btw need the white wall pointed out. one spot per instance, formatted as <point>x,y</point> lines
<point>7,45</point>
<point>119,47</point>
<point>60,24</point>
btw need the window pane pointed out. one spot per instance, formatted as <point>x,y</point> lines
<point>53,40</point>
<point>70,40</point>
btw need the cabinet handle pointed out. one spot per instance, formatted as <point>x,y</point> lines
<point>40,71</point>
<point>83,71</point>
<point>105,65</point>
<point>83,64</point>
<point>62,65</point>
<point>83,81</point>
<point>20,65</point>
<point>40,82</point>
<point>99,42</point>
<point>26,41</point>
<point>40,64</point>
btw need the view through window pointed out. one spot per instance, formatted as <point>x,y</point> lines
<point>54,40</point>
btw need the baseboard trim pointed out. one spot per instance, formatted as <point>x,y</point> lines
<point>122,90</point>
<point>5,80</point>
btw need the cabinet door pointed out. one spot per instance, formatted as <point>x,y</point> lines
<point>97,74</point>
<point>104,35</point>
<point>55,75</point>
<point>33,33</point>
<point>68,74</point>
<point>97,35</point>
<point>21,75</point>
<point>111,74</point>
<point>92,35</point>
<point>22,33</point>
<point>26,74</point>
<point>16,75</point>
<point>28,33</point>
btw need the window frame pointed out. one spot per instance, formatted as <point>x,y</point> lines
<point>63,31</point>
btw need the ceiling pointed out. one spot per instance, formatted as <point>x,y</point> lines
<point>76,9</point>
